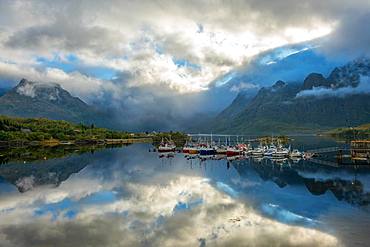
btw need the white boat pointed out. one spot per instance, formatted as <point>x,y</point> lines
<point>166,146</point>
<point>221,150</point>
<point>281,152</point>
<point>296,153</point>
<point>258,151</point>
<point>270,150</point>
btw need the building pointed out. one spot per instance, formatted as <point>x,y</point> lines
<point>360,149</point>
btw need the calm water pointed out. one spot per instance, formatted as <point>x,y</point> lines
<point>130,197</point>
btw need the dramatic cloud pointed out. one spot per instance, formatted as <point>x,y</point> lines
<point>181,46</point>
<point>351,39</point>
<point>106,52</point>
<point>243,86</point>
<point>362,88</point>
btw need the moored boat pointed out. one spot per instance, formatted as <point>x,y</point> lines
<point>296,154</point>
<point>281,152</point>
<point>207,150</point>
<point>221,150</point>
<point>233,151</point>
<point>166,146</point>
<point>258,151</point>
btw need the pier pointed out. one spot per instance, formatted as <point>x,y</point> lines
<point>325,150</point>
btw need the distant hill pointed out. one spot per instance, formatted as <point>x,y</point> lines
<point>3,91</point>
<point>34,99</point>
<point>319,103</point>
<point>359,132</point>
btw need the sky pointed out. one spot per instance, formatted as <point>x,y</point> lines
<point>135,54</point>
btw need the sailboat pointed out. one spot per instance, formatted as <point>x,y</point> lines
<point>166,146</point>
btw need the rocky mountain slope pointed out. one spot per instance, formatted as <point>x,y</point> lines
<point>33,99</point>
<point>341,99</point>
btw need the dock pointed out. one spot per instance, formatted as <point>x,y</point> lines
<point>129,141</point>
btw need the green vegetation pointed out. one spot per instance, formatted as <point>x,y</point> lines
<point>359,132</point>
<point>266,140</point>
<point>41,129</point>
<point>178,138</point>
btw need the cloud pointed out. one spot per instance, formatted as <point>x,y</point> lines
<point>142,42</point>
<point>243,86</point>
<point>148,41</point>
<point>362,88</point>
<point>86,87</point>
<point>351,38</point>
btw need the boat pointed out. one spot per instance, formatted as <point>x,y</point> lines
<point>270,150</point>
<point>221,150</point>
<point>233,151</point>
<point>258,151</point>
<point>281,152</point>
<point>296,154</point>
<point>206,150</point>
<point>166,146</point>
<point>193,150</point>
<point>186,149</point>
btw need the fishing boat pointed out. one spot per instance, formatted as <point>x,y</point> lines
<point>207,150</point>
<point>233,151</point>
<point>221,150</point>
<point>258,151</point>
<point>242,146</point>
<point>296,154</point>
<point>166,146</point>
<point>270,150</point>
<point>281,152</point>
<point>193,150</point>
<point>187,147</point>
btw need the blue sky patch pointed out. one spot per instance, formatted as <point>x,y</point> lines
<point>72,63</point>
<point>186,63</point>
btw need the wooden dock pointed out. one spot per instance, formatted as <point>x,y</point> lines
<point>129,141</point>
<point>324,150</point>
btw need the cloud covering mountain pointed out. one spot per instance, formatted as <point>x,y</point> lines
<point>126,54</point>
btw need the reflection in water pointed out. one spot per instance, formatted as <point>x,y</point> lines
<point>132,197</point>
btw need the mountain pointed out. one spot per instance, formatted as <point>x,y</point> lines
<point>341,99</point>
<point>3,91</point>
<point>34,99</point>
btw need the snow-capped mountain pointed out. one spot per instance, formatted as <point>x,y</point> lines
<point>49,100</point>
<point>341,99</point>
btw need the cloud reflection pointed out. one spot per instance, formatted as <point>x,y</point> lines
<point>144,214</point>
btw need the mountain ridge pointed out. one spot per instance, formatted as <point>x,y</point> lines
<point>282,108</point>
<point>48,100</point>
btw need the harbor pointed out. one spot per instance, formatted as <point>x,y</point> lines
<point>234,147</point>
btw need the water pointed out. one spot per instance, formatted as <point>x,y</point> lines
<point>130,197</point>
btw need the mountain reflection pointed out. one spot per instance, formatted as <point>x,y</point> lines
<point>132,197</point>
<point>346,184</point>
<point>35,166</point>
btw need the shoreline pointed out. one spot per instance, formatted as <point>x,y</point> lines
<point>55,142</point>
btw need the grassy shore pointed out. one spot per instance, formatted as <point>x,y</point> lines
<point>16,132</point>
<point>353,133</point>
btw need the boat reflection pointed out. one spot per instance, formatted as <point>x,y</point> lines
<point>167,155</point>
<point>344,182</point>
